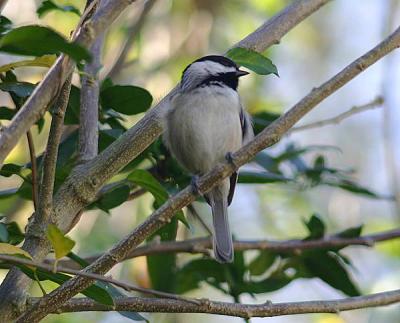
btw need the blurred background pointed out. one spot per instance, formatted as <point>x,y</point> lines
<point>175,33</point>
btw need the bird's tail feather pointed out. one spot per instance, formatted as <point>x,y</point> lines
<point>222,241</point>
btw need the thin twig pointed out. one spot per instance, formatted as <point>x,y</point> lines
<point>126,286</point>
<point>376,103</point>
<point>199,245</point>
<point>268,309</point>
<point>34,169</point>
<point>50,156</point>
<point>194,212</point>
<point>132,33</point>
<point>163,215</point>
<point>135,194</point>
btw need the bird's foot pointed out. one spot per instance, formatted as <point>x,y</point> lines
<point>231,160</point>
<point>195,185</point>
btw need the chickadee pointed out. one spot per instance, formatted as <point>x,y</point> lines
<point>205,123</point>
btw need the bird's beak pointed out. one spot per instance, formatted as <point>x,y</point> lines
<point>240,73</point>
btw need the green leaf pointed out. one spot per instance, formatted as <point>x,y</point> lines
<point>144,179</point>
<point>9,249</point>
<point>3,233</point>
<point>94,292</point>
<point>261,263</point>
<point>113,198</point>
<point>48,5</point>
<point>62,245</point>
<point>21,89</point>
<point>37,40</point>
<point>328,268</point>
<point>42,61</point>
<point>316,227</point>
<point>262,120</point>
<point>5,24</point>
<point>10,169</point>
<point>73,107</point>
<point>15,235</point>
<point>114,292</point>
<point>7,113</point>
<point>192,274</point>
<point>161,268</point>
<point>350,232</point>
<point>250,177</point>
<point>107,137</point>
<point>126,99</point>
<point>252,60</point>
<point>147,181</point>
<point>355,188</point>
<point>267,285</point>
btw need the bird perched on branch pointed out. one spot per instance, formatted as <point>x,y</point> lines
<point>205,123</point>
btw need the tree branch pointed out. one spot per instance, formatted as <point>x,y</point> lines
<point>376,103</point>
<point>48,88</point>
<point>268,309</point>
<point>89,105</point>
<point>50,156</point>
<point>124,285</point>
<point>163,215</point>
<point>34,169</point>
<point>132,33</point>
<point>200,245</point>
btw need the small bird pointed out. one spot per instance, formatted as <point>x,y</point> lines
<point>204,124</point>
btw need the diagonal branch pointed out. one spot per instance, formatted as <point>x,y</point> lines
<point>247,311</point>
<point>163,215</point>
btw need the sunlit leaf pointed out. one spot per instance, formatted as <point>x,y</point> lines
<point>62,245</point>
<point>9,249</point>
<point>48,6</point>
<point>42,61</point>
<point>252,60</point>
<point>37,40</point>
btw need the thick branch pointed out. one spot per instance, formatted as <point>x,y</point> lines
<point>268,309</point>
<point>163,215</point>
<point>48,88</point>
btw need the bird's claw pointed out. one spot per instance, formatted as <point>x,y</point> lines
<point>195,185</point>
<point>231,160</point>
